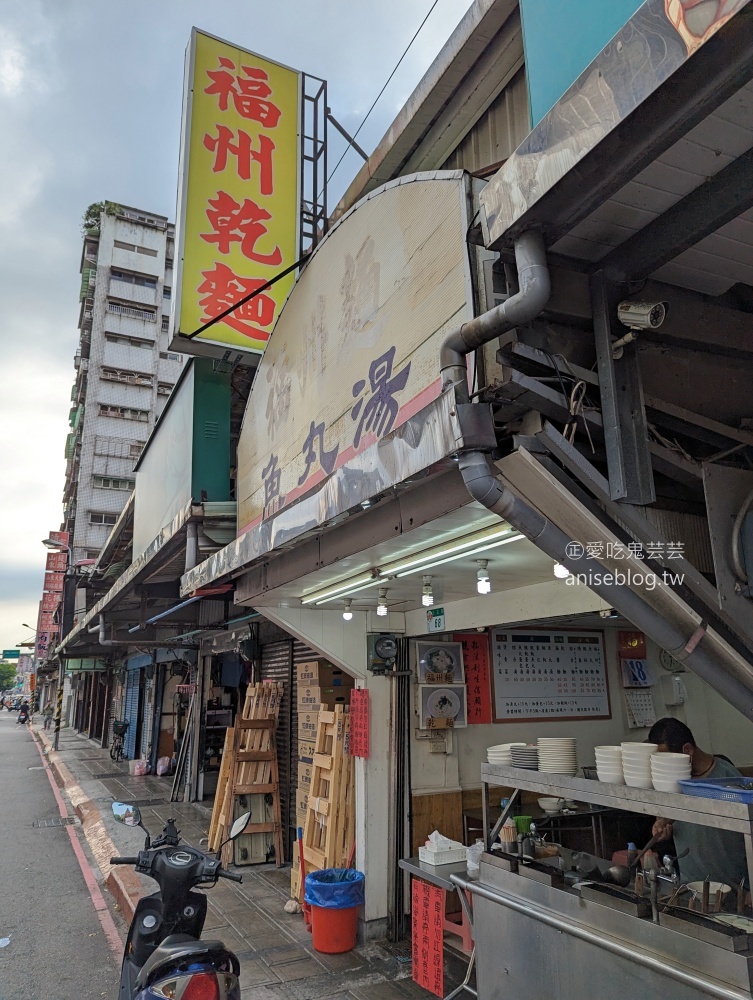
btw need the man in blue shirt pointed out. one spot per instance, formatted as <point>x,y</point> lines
<point>715,854</point>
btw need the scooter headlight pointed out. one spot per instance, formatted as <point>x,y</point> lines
<point>199,986</point>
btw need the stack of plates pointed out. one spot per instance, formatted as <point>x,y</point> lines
<point>500,754</point>
<point>669,768</point>
<point>636,764</point>
<point>526,756</point>
<point>609,765</point>
<point>558,756</point>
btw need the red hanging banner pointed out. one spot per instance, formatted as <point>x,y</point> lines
<point>359,723</point>
<point>427,942</point>
<point>477,676</point>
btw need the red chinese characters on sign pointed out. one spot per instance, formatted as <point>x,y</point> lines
<point>359,722</point>
<point>477,676</point>
<point>248,91</point>
<point>632,645</point>
<point>427,926</point>
<point>243,224</point>
<point>222,288</point>
<point>225,145</point>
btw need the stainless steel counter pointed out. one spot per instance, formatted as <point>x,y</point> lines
<point>545,941</point>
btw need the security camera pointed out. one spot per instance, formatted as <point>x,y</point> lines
<point>642,315</point>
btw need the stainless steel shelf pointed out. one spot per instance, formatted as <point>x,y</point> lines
<point>687,808</point>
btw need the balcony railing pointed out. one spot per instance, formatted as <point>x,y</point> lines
<point>147,315</point>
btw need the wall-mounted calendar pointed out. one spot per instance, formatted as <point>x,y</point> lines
<point>548,674</point>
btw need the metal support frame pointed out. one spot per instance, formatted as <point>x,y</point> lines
<point>622,408</point>
<point>313,208</point>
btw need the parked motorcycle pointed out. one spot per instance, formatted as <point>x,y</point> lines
<point>164,958</point>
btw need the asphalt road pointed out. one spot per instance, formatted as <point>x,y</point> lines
<point>57,946</point>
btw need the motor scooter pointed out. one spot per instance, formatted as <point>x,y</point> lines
<point>164,958</point>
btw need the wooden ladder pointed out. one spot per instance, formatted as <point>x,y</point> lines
<point>330,815</point>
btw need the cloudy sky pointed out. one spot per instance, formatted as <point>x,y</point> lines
<point>90,103</point>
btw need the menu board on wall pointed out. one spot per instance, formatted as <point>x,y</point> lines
<point>549,674</point>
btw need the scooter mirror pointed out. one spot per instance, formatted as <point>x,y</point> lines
<point>239,825</point>
<point>128,815</point>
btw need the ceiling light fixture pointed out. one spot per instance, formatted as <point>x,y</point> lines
<point>427,594</point>
<point>344,587</point>
<point>485,547</point>
<point>419,562</point>
<point>347,613</point>
<point>382,602</point>
<point>483,584</point>
<point>561,572</point>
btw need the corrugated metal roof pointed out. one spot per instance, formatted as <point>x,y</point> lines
<point>719,260</point>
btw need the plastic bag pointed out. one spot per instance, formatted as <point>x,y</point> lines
<point>163,766</point>
<point>335,888</point>
<point>140,768</point>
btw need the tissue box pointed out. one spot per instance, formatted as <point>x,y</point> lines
<point>444,857</point>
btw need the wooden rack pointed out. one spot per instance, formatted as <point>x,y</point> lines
<point>329,830</point>
<point>249,767</point>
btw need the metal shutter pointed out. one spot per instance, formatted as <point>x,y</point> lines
<point>131,711</point>
<point>277,665</point>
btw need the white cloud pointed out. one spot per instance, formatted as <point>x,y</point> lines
<point>13,63</point>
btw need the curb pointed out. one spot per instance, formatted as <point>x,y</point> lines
<point>124,885</point>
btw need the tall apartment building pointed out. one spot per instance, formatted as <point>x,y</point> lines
<point>124,372</point>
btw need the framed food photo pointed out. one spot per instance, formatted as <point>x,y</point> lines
<point>443,707</point>
<point>440,662</point>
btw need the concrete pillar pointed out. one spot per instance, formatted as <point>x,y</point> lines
<point>344,644</point>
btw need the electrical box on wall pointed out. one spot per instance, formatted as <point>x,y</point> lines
<point>673,691</point>
<point>381,652</point>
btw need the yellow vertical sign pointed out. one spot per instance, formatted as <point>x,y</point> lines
<point>238,195</point>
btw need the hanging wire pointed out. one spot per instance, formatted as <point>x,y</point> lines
<point>405,53</point>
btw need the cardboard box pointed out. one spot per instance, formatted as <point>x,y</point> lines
<point>307,726</point>
<point>304,774</point>
<point>300,820</point>
<point>310,697</point>
<point>301,800</point>
<point>306,750</point>
<point>321,673</point>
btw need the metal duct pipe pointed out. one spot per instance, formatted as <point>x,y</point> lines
<point>483,485</point>
<point>101,630</point>
<point>192,545</point>
<point>524,306</point>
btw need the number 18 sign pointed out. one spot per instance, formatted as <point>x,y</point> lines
<point>635,674</point>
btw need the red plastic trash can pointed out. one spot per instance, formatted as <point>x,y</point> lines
<point>334,931</point>
<point>334,896</point>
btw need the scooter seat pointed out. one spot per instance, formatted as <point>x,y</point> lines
<point>173,949</point>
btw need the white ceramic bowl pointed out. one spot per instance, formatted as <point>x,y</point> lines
<point>617,779</point>
<point>603,769</point>
<point>664,785</point>
<point>681,769</point>
<point>608,749</point>
<point>551,805</point>
<point>504,746</point>
<point>607,774</point>
<point>640,747</point>
<point>639,782</point>
<point>671,758</point>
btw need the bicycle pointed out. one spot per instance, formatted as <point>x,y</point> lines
<point>119,729</point>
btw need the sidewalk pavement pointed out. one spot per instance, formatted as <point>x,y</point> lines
<point>273,947</point>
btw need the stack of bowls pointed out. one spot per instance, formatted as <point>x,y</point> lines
<point>669,768</point>
<point>500,754</point>
<point>636,764</point>
<point>525,756</point>
<point>558,755</point>
<point>609,765</point>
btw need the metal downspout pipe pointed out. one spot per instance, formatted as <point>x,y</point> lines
<point>483,485</point>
